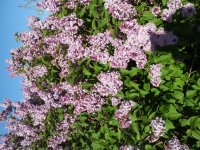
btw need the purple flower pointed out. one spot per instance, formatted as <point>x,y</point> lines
<point>38,71</point>
<point>115,101</point>
<point>122,114</point>
<point>30,37</point>
<point>128,147</point>
<point>155,74</point>
<point>156,10</point>
<point>188,10</point>
<point>158,129</point>
<point>167,15</point>
<point>120,9</point>
<point>71,4</point>
<point>174,5</point>
<point>7,109</point>
<point>50,5</point>
<point>56,140</point>
<point>32,20</point>
<point>174,144</point>
<point>109,84</point>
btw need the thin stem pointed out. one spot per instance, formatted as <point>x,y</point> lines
<point>190,71</point>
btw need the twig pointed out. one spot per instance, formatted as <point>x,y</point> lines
<point>190,71</point>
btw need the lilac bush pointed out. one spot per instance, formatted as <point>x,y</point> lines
<point>107,74</point>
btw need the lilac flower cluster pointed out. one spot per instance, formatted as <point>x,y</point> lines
<point>155,74</point>
<point>17,128</point>
<point>54,98</point>
<point>30,37</point>
<point>98,49</point>
<point>7,109</point>
<point>54,5</point>
<point>90,103</point>
<point>65,124</point>
<point>62,62</point>
<point>128,147</point>
<point>122,114</point>
<point>109,84</point>
<point>68,24</point>
<point>63,127</point>
<point>120,9</point>
<point>158,129</point>
<point>36,112</point>
<point>139,39</point>
<point>72,3</point>
<point>55,141</point>
<point>115,101</point>
<point>173,5</point>
<point>50,5</point>
<point>6,144</point>
<point>38,71</point>
<point>156,10</point>
<point>174,144</point>
<point>188,10</point>
<point>77,97</point>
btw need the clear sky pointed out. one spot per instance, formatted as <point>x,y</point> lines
<point>12,19</point>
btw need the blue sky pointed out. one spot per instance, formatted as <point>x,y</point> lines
<point>13,19</point>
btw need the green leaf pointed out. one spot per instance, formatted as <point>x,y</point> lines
<point>173,114</point>
<point>96,145</point>
<point>94,26</point>
<point>169,125</point>
<point>196,134</point>
<point>198,81</point>
<point>165,71</point>
<point>132,95</point>
<point>147,15</point>
<point>189,132</point>
<point>82,118</point>
<point>184,122</point>
<point>134,71</point>
<point>196,87</point>
<point>87,85</point>
<point>152,115</point>
<point>95,136</point>
<point>166,59</point>
<point>193,121</point>
<point>143,93</point>
<point>82,12</point>
<point>164,88</point>
<point>119,134</point>
<point>178,95</point>
<point>189,102</point>
<point>156,21</point>
<point>120,94</point>
<point>149,147</point>
<point>97,68</point>
<point>146,86</point>
<point>191,93</point>
<point>198,144</point>
<point>84,124</point>
<point>136,130</point>
<point>130,83</point>
<point>87,72</point>
<point>155,91</point>
<point>124,71</point>
<point>164,2</point>
<point>114,122</point>
<point>141,7</point>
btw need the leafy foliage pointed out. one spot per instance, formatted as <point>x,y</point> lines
<point>176,100</point>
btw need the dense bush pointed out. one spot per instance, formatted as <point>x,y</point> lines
<point>108,74</point>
